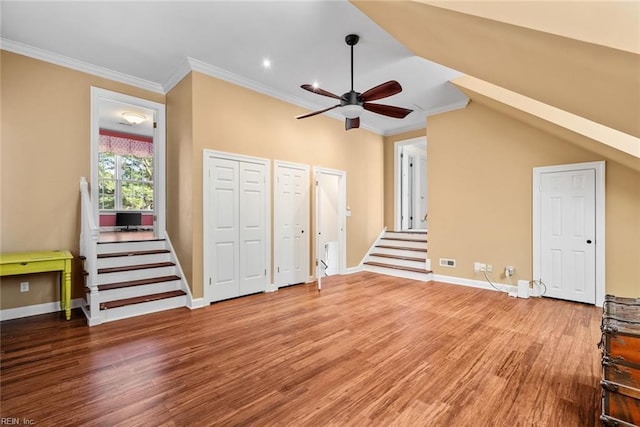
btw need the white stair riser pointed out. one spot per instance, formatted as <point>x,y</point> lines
<point>400,262</point>
<point>124,276</point>
<point>400,252</point>
<point>398,273</point>
<point>133,310</point>
<point>138,291</point>
<point>122,261</point>
<point>403,244</point>
<point>419,236</point>
<point>427,264</point>
<point>107,248</point>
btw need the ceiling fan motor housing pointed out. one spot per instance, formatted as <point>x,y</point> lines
<point>351,98</point>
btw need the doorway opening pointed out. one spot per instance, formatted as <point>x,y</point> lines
<point>127,166</point>
<point>568,231</point>
<point>330,214</point>
<point>410,178</point>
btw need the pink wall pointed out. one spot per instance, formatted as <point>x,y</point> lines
<point>109,220</point>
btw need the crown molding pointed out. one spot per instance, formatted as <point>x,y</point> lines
<point>187,66</point>
<point>216,72</point>
<point>65,61</point>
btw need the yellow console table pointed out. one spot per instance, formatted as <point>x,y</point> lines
<point>15,263</point>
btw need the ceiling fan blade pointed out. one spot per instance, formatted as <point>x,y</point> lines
<point>319,91</point>
<point>387,110</point>
<point>383,90</point>
<point>351,123</point>
<point>303,116</point>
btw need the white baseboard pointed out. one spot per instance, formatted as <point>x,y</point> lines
<point>358,268</point>
<point>196,303</point>
<point>34,310</point>
<point>481,284</point>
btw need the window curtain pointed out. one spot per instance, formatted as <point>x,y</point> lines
<point>125,145</point>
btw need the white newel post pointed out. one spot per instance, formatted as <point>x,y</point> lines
<point>89,234</point>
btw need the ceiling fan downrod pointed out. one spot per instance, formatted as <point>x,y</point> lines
<point>352,40</point>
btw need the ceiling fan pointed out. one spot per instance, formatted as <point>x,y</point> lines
<point>353,102</point>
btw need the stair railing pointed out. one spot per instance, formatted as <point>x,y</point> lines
<point>89,234</point>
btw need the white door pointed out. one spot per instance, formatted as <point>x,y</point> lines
<point>407,190</point>
<point>330,223</point>
<point>235,228</point>
<point>291,224</point>
<point>568,234</point>
<point>253,230</point>
<point>421,195</point>
<point>223,216</point>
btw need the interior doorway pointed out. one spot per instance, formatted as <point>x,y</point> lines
<point>330,215</point>
<point>411,185</point>
<point>127,165</point>
<point>568,231</point>
<point>236,230</point>
<point>291,233</point>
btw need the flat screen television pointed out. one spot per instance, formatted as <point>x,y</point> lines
<point>126,220</point>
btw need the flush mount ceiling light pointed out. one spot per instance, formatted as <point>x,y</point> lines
<point>133,118</point>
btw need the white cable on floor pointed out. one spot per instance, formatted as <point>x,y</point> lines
<point>491,283</point>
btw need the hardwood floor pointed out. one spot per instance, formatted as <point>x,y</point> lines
<point>368,350</point>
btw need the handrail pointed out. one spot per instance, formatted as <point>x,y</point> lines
<point>89,234</point>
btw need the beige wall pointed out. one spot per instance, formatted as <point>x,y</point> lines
<point>232,119</point>
<point>180,192</point>
<point>45,149</point>
<point>389,173</point>
<point>594,82</point>
<point>479,189</point>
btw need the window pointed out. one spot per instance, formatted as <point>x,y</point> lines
<point>125,182</point>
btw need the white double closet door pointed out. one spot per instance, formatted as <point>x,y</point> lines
<point>236,235</point>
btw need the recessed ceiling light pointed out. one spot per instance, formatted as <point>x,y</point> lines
<point>266,63</point>
<point>315,85</point>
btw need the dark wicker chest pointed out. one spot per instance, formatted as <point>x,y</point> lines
<point>620,345</point>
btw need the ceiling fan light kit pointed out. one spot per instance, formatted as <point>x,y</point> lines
<point>352,103</point>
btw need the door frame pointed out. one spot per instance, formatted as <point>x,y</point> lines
<point>159,152</point>
<point>397,178</point>
<point>599,168</point>
<point>342,214</point>
<point>307,221</point>
<point>206,268</point>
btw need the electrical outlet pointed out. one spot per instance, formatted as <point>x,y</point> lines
<point>489,268</point>
<point>509,271</point>
<point>24,286</point>
<point>478,267</point>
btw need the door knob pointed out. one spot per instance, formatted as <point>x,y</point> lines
<point>588,242</point>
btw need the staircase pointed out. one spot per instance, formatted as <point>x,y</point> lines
<point>400,254</point>
<point>126,279</point>
<point>134,278</point>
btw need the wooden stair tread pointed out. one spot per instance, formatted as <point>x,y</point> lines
<point>131,241</point>
<point>404,248</point>
<point>134,253</point>
<point>406,231</point>
<point>404,239</point>
<point>402,257</point>
<point>135,267</point>
<point>141,299</point>
<point>398,267</point>
<point>149,281</point>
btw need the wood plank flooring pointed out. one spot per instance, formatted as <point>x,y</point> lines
<point>368,350</point>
